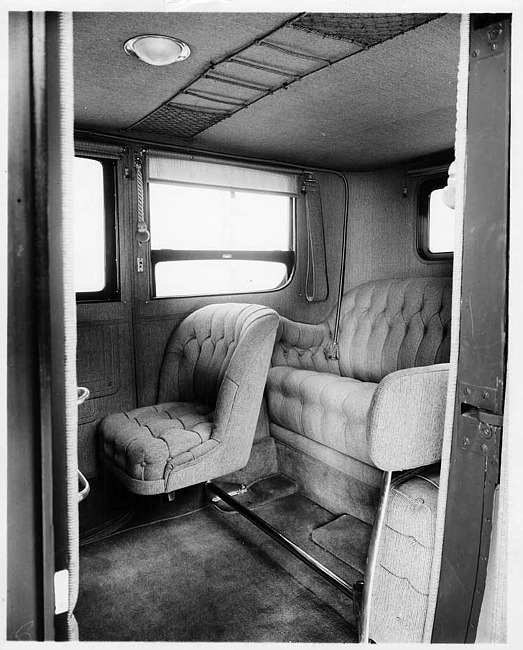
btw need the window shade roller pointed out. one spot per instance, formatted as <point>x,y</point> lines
<point>98,150</point>
<point>194,171</point>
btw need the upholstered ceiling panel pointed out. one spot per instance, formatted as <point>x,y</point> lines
<point>392,102</point>
<point>113,90</point>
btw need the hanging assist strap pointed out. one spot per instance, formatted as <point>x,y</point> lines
<point>142,232</point>
<point>332,350</point>
<point>316,283</point>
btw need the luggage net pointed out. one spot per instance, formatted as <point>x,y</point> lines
<point>178,122</point>
<point>365,29</point>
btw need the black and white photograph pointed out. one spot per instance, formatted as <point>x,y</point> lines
<point>261,322</point>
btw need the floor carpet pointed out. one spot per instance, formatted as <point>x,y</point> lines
<point>199,578</point>
<point>297,517</point>
<point>347,538</point>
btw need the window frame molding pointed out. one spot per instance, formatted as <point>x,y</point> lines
<point>425,187</point>
<point>108,157</point>
<point>289,258</point>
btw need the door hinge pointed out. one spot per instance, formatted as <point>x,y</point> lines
<point>490,40</point>
<point>61,591</point>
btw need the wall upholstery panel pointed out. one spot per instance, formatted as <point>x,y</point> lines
<point>105,366</point>
<point>156,332</point>
<point>382,229</point>
<point>99,351</point>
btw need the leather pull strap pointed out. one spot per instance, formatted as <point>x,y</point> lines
<point>316,282</point>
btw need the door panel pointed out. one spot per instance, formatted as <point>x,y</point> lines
<point>30,553</point>
<point>105,348</point>
<point>476,444</point>
<point>105,366</point>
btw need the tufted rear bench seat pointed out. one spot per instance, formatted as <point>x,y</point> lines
<point>339,422</point>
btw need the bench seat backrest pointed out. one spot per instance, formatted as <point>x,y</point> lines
<point>389,325</point>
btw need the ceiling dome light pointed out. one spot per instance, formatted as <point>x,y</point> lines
<point>157,50</point>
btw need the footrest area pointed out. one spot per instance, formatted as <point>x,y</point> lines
<point>347,538</point>
<point>259,493</point>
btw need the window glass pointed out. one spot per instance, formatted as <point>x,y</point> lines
<point>199,235</point>
<point>187,218</point>
<point>94,229</point>
<point>200,277</point>
<point>441,224</point>
<point>435,226</point>
<point>89,225</point>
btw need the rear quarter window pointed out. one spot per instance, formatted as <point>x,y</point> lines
<point>435,221</point>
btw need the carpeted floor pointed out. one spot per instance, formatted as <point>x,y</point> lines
<point>298,517</point>
<point>347,538</point>
<point>207,576</point>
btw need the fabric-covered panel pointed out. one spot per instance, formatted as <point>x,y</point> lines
<point>326,408</point>
<point>388,325</point>
<point>262,426</point>
<point>302,345</point>
<point>401,587</point>
<point>363,473</point>
<point>146,441</point>
<point>262,462</point>
<point>406,418</point>
<point>338,492</point>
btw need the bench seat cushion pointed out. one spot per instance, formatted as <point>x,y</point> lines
<point>326,408</point>
<point>147,443</point>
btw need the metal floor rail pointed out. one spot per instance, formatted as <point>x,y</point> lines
<point>302,555</point>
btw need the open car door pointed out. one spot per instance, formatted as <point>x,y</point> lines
<point>42,396</point>
<point>480,391</point>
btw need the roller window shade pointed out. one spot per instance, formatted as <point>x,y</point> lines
<point>98,150</point>
<point>170,169</point>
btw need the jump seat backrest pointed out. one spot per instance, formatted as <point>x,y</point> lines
<point>382,402</point>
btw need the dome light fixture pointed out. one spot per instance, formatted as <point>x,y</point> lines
<point>157,50</point>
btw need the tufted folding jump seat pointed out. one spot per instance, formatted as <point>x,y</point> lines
<point>210,392</point>
<point>339,422</point>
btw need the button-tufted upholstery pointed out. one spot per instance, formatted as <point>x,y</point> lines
<point>386,328</point>
<point>210,392</point>
<point>385,325</point>
<point>329,409</point>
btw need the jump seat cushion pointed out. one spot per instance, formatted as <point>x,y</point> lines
<point>147,443</point>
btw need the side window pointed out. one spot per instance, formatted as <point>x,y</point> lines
<point>435,232</point>
<point>210,239</point>
<point>94,229</point>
